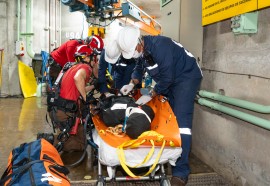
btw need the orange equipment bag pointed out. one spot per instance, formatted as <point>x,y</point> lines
<point>164,123</point>
<point>35,163</point>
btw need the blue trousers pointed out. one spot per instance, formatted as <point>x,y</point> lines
<point>181,98</point>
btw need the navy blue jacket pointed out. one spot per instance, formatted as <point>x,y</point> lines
<point>121,72</point>
<point>172,63</point>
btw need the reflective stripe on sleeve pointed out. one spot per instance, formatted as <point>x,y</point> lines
<point>152,67</point>
<point>121,64</point>
<point>186,131</point>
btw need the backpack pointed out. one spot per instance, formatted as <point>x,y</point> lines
<point>35,163</point>
<point>112,109</point>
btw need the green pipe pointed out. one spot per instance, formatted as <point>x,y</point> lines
<point>29,28</point>
<point>235,113</point>
<point>18,19</point>
<point>236,102</point>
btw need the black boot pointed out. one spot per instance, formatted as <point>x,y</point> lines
<point>47,136</point>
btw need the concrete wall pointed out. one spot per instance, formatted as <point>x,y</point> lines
<point>46,33</point>
<point>236,149</point>
<point>10,80</point>
<point>185,18</point>
<point>170,18</point>
<point>73,24</point>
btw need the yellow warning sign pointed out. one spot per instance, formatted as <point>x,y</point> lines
<point>263,3</point>
<point>217,10</point>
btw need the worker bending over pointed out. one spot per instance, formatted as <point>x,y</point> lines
<point>177,76</point>
<point>121,68</point>
<point>66,53</point>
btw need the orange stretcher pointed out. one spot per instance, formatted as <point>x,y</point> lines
<point>164,123</point>
<point>168,150</point>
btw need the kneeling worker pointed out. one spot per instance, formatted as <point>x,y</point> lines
<point>72,87</point>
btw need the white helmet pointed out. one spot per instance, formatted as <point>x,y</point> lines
<point>112,52</point>
<point>127,40</point>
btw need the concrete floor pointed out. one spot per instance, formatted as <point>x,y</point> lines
<point>21,120</point>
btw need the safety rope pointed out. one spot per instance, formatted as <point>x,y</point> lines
<point>117,130</point>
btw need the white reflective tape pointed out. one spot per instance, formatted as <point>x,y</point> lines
<point>121,64</point>
<point>186,131</point>
<point>119,106</point>
<point>152,67</point>
<point>131,110</point>
<point>97,41</point>
<point>49,177</point>
<point>189,54</point>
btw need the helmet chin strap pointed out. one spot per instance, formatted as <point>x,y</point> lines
<point>89,63</point>
<point>92,58</point>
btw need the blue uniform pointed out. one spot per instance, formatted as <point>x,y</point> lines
<point>178,77</point>
<point>121,72</point>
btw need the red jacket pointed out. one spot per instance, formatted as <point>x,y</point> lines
<point>65,53</point>
<point>68,88</point>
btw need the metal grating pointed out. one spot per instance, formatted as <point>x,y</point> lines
<point>209,179</point>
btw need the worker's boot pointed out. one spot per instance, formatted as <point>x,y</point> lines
<point>177,181</point>
<point>47,136</point>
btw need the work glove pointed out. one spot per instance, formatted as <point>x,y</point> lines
<point>144,99</point>
<point>89,99</point>
<point>108,94</point>
<point>127,88</point>
<point>96,84</point>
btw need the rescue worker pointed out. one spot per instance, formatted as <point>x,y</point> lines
<point>65,53</point>
<point>73,87</point>
<point>74,81</point>
<point>121,69</point>
<point>177,76</point>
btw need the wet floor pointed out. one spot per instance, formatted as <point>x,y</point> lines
<point>21,120</point>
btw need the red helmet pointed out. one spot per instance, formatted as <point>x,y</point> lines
<point>96,44</point>
<point>83,51</point>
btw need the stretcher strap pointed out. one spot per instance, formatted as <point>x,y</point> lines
<point>147,157</point>
<point>136,143</point>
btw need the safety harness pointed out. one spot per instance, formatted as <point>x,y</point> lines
<point>54,99</point>
<point>69,107</point>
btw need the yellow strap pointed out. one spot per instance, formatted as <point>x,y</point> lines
<point>146,159</point>
<point>108,74</point>
<point>136,142</point>
<point>152,133</point>
<point>125,167</point>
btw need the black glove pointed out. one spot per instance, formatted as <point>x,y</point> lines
<point>89,99</point>
<point>47,136</point>
<point>96,84</point>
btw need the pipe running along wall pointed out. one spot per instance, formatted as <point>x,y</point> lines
<point>18,19</point>
<point>235,113</point>
<point>236,102</point>
<point>29,28</point>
